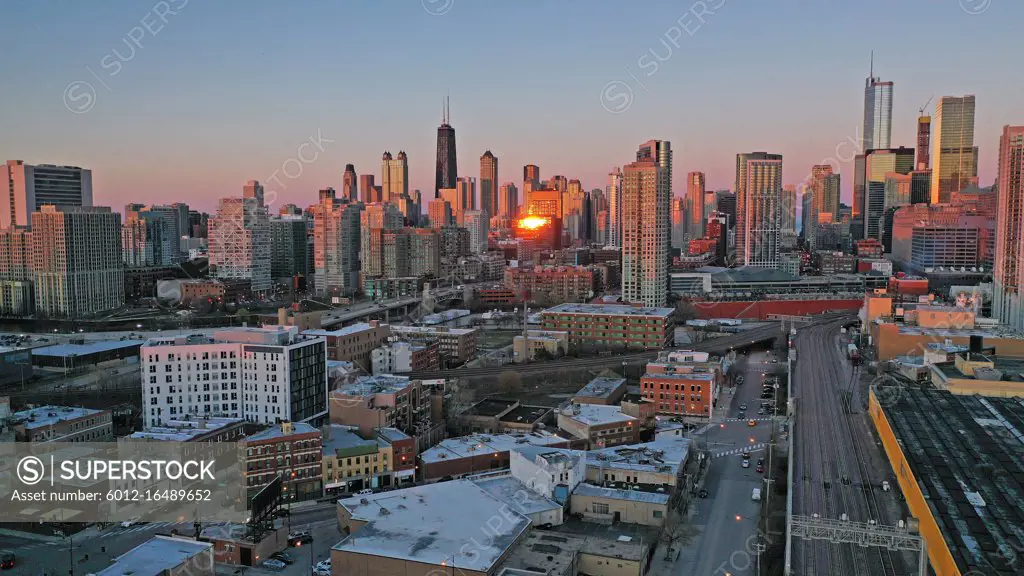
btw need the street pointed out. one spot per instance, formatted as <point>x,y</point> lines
<point>727,520</point>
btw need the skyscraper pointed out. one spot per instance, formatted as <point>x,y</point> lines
<point>877,111</point>
<point>877,164</point>
<point>695,204</point>
<point>824,190</point>
<point>440,212</point>
<point>489,183</point>
<point>1008,274</point>
<point>614,194</point>
<point>954,156</point>
<point>370,191</point>
<point>508,201</point>
<point>660,151</point>
<point>531,181</point>
<point>787,223</point>
<point>27,188</point>
<point>680,222</point>
<point>77,264</point>
<point>758,195</point>
<point>447,167</point>
<point>350,183</point>
<point>144,241</point>
<point>289,246</point>
<point>394,177</point>
<point>645,233</point>
<point>374,221</point>
<point>476,221</point>
<point>336,244</point>
<point>924,135</point>
<point>240,240</point>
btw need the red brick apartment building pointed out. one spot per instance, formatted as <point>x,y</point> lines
<point>604,326</point>
<point>290,450</point>
<point>555,283</point>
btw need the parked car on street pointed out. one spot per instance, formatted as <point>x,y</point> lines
<point>274,564</point>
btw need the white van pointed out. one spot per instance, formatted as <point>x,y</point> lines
<point>756,495</point>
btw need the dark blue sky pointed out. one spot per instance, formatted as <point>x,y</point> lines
<point>217,93</point>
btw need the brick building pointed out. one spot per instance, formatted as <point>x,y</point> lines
<point>555,284</point>
<point>354,343</point>
<point>606,326</point>
<point>290,450</point>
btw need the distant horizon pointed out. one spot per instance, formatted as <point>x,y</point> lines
<point>188,106</point>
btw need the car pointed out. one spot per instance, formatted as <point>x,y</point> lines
<point>745,464</point>
<point>885,485</point>
<point>751,423</point>
<point>364,492</point>
<point>759,469</point>
<point>274,564</point>
<point>129,523</point>
<point>300,537</point>
<point>743,406</point>
<point>746,455</point>
<point>322,571</point>
<point>760,461</point>
<point>760,411</point>
<point>703,493</point>
<point>741,415</point>
<point>283,557</point>
<point>7,560</point>
<point>323,564</point>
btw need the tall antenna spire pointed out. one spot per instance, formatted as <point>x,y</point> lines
<point>447,109</point>
<point>872,73</point>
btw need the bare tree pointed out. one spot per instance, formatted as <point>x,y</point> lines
<point>459,397</point>
<point>509,382</point>
<point>685,311</point>
<point>674,531</point>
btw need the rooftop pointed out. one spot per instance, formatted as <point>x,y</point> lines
<point>68,350</point>
<point>553,551</point>
<point>450,522</point>
<point>585,489</point>
<point>665,451</point>
<point>516,495</point>
<point>596,414</point>
<point>393,434</point>
<point>601,387</point>
<point>969,465</point>
<point>465,446</point>
<point>275,432</point>
<point>610,309</point>
<point>435,330</point>
<point>526,414</point>
<point>50,415</point>
<point>370,385</point>
<point>183,430</point>
<point>345,438</point>
<point>490,407</point>
<point>155,556</point>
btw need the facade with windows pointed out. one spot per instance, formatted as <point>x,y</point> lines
<point>261,375</point>
<point>289,450</point>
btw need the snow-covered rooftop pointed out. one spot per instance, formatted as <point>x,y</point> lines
<point>516,495</point>
<point>665,451</point>
<point>451,522</point>
<point>464,446</point>
<point>585,489</point>
<point>597,414</point>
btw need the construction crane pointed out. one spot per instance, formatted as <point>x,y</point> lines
<point>925,106</point>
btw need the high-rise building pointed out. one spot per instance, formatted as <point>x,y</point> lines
<point>877,164</point>
<point>727,205</point>
<point>144,241</point>
<point>27,188</point>
<point>240,241</point>
<point>560,183</point>
<point>858,186</point>
<point>257,374</point>
<point>424,252</point>
<point>824,190</point>
<point>694,204</point>
<point>954,156</point>
<point>16,254</point>
<point>440,212</point>
<point>787,224</point>
<point>374,221</point>
<point>336,244</point>
<point>476,221</point>
<point>466,187</point>
<point>921,186</point>
<point>574,210</point>
<point>1008,274</point>
<point>508,201</point>
<point>546,202</point>
<point>661,152</point>
<point>350,184</point>
<point>253,189</point>
<point>758,197</point>
<point>368,189</point>
<point>174,227</point>
<point>924,135</point>
<point>614,193</point>
<point>447,168</point>
<point>289,246</point>
<point>680,223</point>
<point>77,265</point>
<point>877,111</point>
<point>645,233</point>
<point>394,177</point>
<point>489,183</point>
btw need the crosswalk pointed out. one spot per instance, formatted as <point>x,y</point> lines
<point>760,419</point>
<point>751,448</point>
<point>141,527</point>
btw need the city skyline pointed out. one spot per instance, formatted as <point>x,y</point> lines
<point>163,123</point>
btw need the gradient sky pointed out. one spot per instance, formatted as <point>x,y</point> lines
<point>226,91</point>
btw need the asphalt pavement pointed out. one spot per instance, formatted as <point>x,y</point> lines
<point>726,521</point>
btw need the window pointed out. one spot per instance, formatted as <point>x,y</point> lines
<point>600,508</point>
<point>658,514</point>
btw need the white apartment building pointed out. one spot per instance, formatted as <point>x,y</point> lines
<point>257,374</point>
<point>239,236</point>
<point>27,188</point>
<point>477,222</point>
